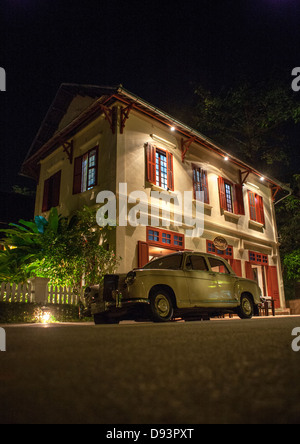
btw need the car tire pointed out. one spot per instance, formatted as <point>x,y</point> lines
<point>161,306</point>
<point>246,308</point>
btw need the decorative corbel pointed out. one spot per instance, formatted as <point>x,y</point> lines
<point>124,116</point>
<point>275,189</point>
<point>246,174</point>
<point>110,116</point>
<point>185,146</point>
<point>68,149</point>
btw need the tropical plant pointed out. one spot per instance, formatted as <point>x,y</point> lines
<point>65,251</point>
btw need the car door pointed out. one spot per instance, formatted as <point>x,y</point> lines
<point>225,279</point>
<point>201,282</point>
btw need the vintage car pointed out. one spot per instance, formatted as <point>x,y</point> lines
<point>186,285</point>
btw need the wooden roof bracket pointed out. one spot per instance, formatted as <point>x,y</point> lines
<point>110,116</point>
<point>68,149</point>
<point>275,189</point>
<point>185,146</point>
<point>124,116</point>
<point>246,175</point>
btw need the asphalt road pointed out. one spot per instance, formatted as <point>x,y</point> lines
<point>216,372</point>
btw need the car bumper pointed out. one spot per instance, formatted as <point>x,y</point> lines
<point>117,306</point>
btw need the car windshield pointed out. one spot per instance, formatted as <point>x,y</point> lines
<point>166,263</point>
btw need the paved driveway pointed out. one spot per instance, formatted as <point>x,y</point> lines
<point>222,371</point>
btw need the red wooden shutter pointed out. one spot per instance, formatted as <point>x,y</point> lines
<point>77,175</point>
<point>236,265</point>
<point>56,179</point>
<point>151,163</point>
<point>222,193</point>
<point>205,186</point>
<point>249,271</point>
<point>170,171</point>
<point>46,196</point>
<point>200,182</point>
<point>252,206</point>
<point>272,284</point>
<point>143,253</point>
<point>260,216</point>
<point>196,181</point>
<point>239,207</point>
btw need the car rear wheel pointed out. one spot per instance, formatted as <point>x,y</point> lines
<point>246,308</point>
<point>161,306</point>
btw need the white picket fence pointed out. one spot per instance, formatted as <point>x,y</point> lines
<point>22,293</point>
<point>15,293</point>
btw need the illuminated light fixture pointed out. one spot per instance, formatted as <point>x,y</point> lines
<point>161,140</point>
<point>45,315</point>
<point>226,158</point>
<point>173,128</point>
<point>262,179</point>
<point>252,185</point>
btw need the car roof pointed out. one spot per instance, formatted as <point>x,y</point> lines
<point>177,253</point>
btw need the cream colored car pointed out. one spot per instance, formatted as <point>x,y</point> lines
<point>185,284</point>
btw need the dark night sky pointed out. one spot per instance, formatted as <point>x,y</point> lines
<point>157,50</point>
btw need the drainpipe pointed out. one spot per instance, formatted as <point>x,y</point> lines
<point>285,197</point>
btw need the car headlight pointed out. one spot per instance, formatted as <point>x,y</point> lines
<point>130,278</point>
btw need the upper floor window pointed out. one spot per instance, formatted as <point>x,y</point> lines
<point>51,192</point>
<point>256,207</point>
<point>159,167</point>
<point>85,171</point>
<point>200,183</point>
<point>231,196</point>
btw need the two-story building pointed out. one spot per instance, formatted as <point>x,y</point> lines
<point>98,138</point>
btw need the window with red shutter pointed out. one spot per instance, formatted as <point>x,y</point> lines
<point>151,163</point>
<point>159,167</point>
<point>77,175</point>
<point>51,192</point>
<point>85,171</point>
<point>226,195</point>
<point>170,171</point>
<point>260,210</point>
<point>256,208</point>
<point>239,207</point>
<point>200,183</point>
<point>222,194</point>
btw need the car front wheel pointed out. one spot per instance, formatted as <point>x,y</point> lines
<point>246,308</point>
<point>161,306</point>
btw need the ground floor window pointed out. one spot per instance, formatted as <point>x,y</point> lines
<point>159,243</point>
<point>164,238</point>
<point>227,254</point>
<point>258,258</point>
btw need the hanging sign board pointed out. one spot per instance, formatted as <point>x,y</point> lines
<point>220,243</point>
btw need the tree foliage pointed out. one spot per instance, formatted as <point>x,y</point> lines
<point>62,250</point>
<point>288,219</point>
<point>250,120</point>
